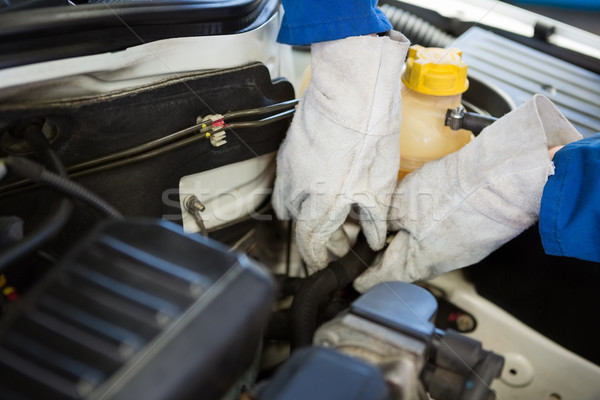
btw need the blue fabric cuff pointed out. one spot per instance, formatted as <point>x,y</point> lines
<point>570,209</point>
<point>306,22</point>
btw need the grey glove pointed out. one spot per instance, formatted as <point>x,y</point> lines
<point>455,211</point>
<point>342,147</point>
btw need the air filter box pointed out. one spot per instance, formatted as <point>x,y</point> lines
<point>137,311</point>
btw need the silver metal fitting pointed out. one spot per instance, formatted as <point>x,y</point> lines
<point>454,118</point>
<point>194,206</point>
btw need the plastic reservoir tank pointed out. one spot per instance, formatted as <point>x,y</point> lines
<point>434,80</point>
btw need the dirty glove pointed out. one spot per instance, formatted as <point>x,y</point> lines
<point>455,211</point>
<point>342,147</point>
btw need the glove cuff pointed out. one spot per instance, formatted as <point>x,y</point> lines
<point>501,173</point>
<point>504,175</point>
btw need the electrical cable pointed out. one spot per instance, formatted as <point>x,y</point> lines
<point>37,173</point>
<point>58,217</point>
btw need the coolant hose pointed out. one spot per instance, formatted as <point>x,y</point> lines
<point>316,288</point>
<point>458,118</point>
<point>59,215</point>
<point>476,123</point>
<point>416,29</point>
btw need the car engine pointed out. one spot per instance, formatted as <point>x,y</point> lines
<point>140,256</point>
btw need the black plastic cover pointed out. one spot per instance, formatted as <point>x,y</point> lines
<point>318,373</point>
<point>96,126</point>
<point>137,311</point>
<point>51,33</point>
<point>461,369</point>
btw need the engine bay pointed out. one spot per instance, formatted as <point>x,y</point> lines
<point>140,256</point>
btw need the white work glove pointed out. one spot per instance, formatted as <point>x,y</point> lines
<point>455,211</point>
<point>342,147</point>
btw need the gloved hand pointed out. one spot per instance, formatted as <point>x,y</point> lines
<point>342,147</point>
<point>453,212</point>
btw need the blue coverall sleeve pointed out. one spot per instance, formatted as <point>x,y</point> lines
<point>310,21</point>
<point>570,209</point>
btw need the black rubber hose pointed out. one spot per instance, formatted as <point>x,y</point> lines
<point>315,289</point>
<point>279,326</point>
<point>57,218</point>
<point>37,173</point>
<point>476,122</point>
<point>288,285</point>
<point>416,29</point>
<point>334,306</point>
<point>458,118</point>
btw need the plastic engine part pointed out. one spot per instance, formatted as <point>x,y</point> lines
<point>520,72</point>
<point>318,373</point>
<point>137,310</point>
<point>396,316</point>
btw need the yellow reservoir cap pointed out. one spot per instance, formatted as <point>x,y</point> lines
<point>435,71</point>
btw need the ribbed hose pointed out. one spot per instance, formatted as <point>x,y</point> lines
<point>58,216</point>
<point>77,191</point>
<point>337,275</point>
<point>37,173</point>
<point>305,308</point>
<point>288,285</point>
<point>416,29</point>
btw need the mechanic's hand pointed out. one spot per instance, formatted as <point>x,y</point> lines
<point>552,151</point>
<point>342,147</point>
<point>455,211</point>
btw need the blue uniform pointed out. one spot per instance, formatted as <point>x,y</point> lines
<point>306,22</point>
<point>570,212</point>
<point>570,209</point>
